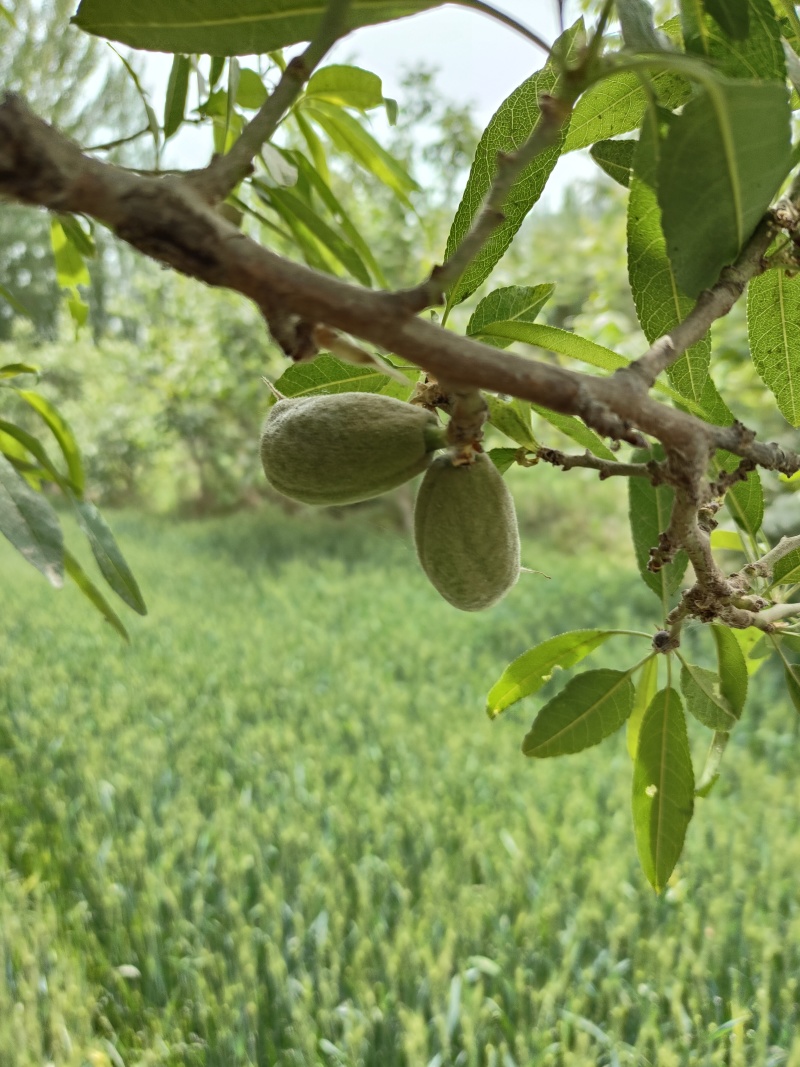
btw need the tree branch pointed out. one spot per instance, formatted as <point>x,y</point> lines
<point>224,173</point>
<point>608,468</point>
<point>166,219</point>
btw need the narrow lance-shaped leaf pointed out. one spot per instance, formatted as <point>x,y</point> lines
<point>732,668</point>
<point>15,370</point>
<point>177,89</point>
<point>752,50</point>
<point>327,374</point>
<point>15,303</point>
<point>787,569</point>
<point>110,560</point>
<point>710,773</point>
<point>576,430</point>
<point>63,434</point>
<point>528,673</point>
<point>773,328</point>
<point>92,593</point>
<point>31,525</point>
<point>70,267</point>
<point>226,27</point>
<point>649,511</point>
<point>724,159</point>
<point>638,29</point>
<point>346,86</point>
<point>733,16</point>
<point>589,708</point>
<point>646,687</point>
<point>663,787</point>
<point>513,303</point>
<point>510,126</point>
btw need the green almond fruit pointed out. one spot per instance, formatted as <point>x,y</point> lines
<point>465,528</point>
<point>345,447</point>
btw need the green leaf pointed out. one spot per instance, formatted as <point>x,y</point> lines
<point>77,236</point>
<point>109,558</point>
<point>528,673</point>
<point>638,29</point>
<point>708,779</point>
<point>152,119</point>
<point>63,434</point>
<point>70,267</point>
<point>773,328</point>
<point>660,305</point>
<point>589,708</point>
<point>250,90</point>
<point>16,304</point>
<point>513,418</point>
<point>649,510</point>
<point>704,699</point>
<point>503,458</point>
<point>346,86</point>
<point>292,207</point>
<point>553,339</point>
<point>756,53</point>
<point>745,501</point>
<point>787,569</point>
<point>791,673</point>
<point>509,127</point>
<point>576,430</point>
<point>226,27</point>
<point>90,590</point>
<point>177,90</point>
<point>616,105</point>
<point>645,691</point>
<point>663,787</point>
<point>510,304</point>
<point>732,668</point>
<point>350,137</point>
<point>31,525</point>
<point>724,158</point>
<point>32,445</point>
<point>732,16</point>
<point>615,158</point>
<point>727,540</point>
<point>326,374</point>
<point>14,370</point>
<point>307,170</point>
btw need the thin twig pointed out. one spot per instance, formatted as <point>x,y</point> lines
<point>225,172</point>
<point>119,141</point>
<point>608,468</point>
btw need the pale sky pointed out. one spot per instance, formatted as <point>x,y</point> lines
<point>480,61</point>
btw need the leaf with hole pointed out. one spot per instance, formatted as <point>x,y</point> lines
<point>527,673</point>
<point>663,787</point>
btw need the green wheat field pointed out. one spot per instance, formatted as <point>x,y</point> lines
<point>278,828</point>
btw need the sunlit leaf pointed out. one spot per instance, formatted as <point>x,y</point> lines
<point>250,90</point>
<point>70,266</point>
<point>63,434</point>
<point>528,673</point>
<point>15,370</point>
<point>773,328</point>
<point>503,458</point>
<point>663,787</point>
<point>589,708</point>
<point>509,127</point>
<point>346,86</point>
<point>512,303</point>
<point>30,524</point>
<point>787,569</point>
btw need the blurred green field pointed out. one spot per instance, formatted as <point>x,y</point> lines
<point>279,829</point>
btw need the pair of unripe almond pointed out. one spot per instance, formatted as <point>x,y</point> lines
<point>344,447</point>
